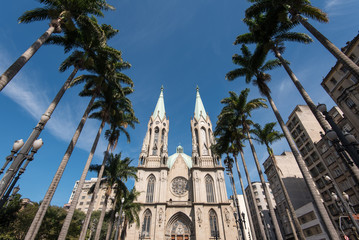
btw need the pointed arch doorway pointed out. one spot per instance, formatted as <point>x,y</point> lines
<point>179,227</point>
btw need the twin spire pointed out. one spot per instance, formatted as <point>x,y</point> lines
<point>198,109</point>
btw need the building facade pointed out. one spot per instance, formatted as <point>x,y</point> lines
<point>85,197</point>
<point>244,213</point>
<point>323,159</point>
<point>298,193</point>
<point>343,87</point>
<point>261,201</point>
<point>183,197</point>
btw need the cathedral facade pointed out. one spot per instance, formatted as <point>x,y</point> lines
<point>184,197</point>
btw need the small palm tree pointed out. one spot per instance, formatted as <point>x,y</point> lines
<point>253,67</point>
<point>239,108</point>
<point>228,133</point>
<point>116,173</point>
<point>130,209</point>
<point>300,10</point>
<point>266,136</point>
<point>62,15</point>
<point>108,104</point>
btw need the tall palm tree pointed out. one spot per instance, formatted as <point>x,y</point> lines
<point>227,131</point>
<point>253,67</point>
<point>266,136</point>
<point>116,173</point>
<point>270,34</point>
<point>62,14</point>
<point>90,41</point>
<point>120,120</point>
<point>108,103</point>
<point>238,107</point>
<point>300,10</point>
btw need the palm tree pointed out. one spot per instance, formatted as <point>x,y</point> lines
<point>94,46</point>
<point>120,120</point>
<point>130,209</point>
<point>62,15</point>
<point>297,9</point>
<point>239,108</point>
<point>266,136</point>
<point>253,67</point>
<point>271,37</point>
<point>109,101</point>
<point>116,173</point>
<point>227,131</point>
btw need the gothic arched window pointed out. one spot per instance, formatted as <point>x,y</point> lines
<point>163,135</point>
<point>155,141</point>
<point>213,224</point>
<point>204,141</point>
<point>150,189</point>
<point>146,226</point>
<point>209,188</point>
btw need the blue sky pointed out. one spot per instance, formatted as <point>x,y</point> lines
<point>177,44</point>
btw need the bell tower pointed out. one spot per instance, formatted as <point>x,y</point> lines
<point>202,137</point>
<point>154,148</point>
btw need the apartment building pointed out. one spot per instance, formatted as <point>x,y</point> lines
<point>298,193</point>
<point>85,197</point>
<point>261,200</point>
<point>343,87</point>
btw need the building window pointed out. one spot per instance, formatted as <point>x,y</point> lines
<point>81,203</point>
<point>213,223</point>
<point>155,141</point>
<point>347,128</point>
<point>209,189</point>
<point>314,230</point>
<point>333,81</point>
<point>349,102</point>
<point>343,69</point>
<point>146,226</point>
<point>337,172</point>
<point>150,189</point>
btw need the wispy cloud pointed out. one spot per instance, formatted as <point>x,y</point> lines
<point>337,7</point>
<point>34,99</point>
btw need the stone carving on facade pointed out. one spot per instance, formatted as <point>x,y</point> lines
<point>163,177</point>
<point>197,178</point>
<point>160,215</point>
<point>227,216</point>
<point>199,215</point>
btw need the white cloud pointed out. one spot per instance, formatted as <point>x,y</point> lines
<point>34,99</point>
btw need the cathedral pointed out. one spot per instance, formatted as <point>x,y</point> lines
<point>184,197</point>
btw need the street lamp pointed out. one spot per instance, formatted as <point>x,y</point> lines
<point>347,141</point>
<point>119,219</point>
<point>266,226</point>
<point>29,157</point>
<point>15,148</point>
<point>345,203</point>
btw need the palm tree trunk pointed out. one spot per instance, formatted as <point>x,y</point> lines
<point>327,223</point>
<point>8,75</point>
<point>236,205</point>
<point>40,214</point>
<point>265,188</point>
<point>123,231</point>
<point>102,216</point>
<point>339,55</point>
<point>16,164</point>
<point>287,199</point>
<point>291,224</point>
<point>257,215</point>
<point>94,194</point>
<point>70,213</point>
<point>112,221</point>
<point>320,118</point>
<point>245,196</point>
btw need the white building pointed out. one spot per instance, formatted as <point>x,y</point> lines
<point>183,196</point>
<point>242,207</point>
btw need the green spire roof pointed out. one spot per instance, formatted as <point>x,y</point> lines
<point>160,107</point>
<point>199,108</point>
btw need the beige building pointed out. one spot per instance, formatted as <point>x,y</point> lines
<point>183,197</point>
<point>343,87</point>
<point>322,158</point>
<point>85,198</point>
<point>262,205</point>
<point>298,193</point>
